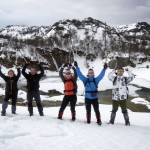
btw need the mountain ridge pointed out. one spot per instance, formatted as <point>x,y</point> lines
<point>59,42</point>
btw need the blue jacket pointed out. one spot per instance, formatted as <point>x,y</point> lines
<point>90,86</point>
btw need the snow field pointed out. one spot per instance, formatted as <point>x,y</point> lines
<point>35,133</point>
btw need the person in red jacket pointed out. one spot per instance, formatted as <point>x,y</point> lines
<point>70,90</point>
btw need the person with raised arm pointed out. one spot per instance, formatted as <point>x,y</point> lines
<point>70,90</point>
<point>120,93</point>
<point>91,92</point>
<point>33,79</point>
<point>11,90</point>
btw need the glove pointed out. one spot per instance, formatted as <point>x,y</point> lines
<point>75,64</point>
<point>65,65</point>
<point>70,65</point>
<point>17,66</point>
<point>38,63</point>
<point>105,66</point>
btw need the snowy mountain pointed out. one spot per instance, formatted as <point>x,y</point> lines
<point>56,44</point>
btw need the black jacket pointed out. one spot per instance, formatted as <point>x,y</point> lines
<point>33,80</point>
<point>11,82</point>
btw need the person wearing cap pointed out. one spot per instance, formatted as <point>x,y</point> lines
<point>70,90</point>
<point>11,90</point>
<point>91,93</point>
<point>120,93</point>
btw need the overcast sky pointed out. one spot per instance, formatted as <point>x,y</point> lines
<point>47,12</point>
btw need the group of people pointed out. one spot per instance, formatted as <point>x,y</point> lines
<point>119,91</point>
<point>11,90</point>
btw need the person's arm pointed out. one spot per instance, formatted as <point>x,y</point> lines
<point>100,76</point>
<point>18,73</point>
<point>81,76</point>
<point>75,74</point>
<point>131,76</point>
<point>61,74</point>
<point>2,75</point>
<point>41,69</point>
<point>24,71</point>
<point>111,76</point>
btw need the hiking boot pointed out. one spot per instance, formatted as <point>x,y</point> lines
<point>111,122</point>
<point>41,114</point>
<point>73,118</point>
<point>99,122</point>
<point>60,115</point>
<point>126,118</point>
<point>30,114</point>
<point>88,121</point>
<point>127,123</point>
<point>88,116</point>
<point>3,113</point>
<point>14,113</point>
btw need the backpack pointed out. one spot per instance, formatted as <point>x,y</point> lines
<point>88,81</point>
<point>116,79</point>
<point>74,84</point>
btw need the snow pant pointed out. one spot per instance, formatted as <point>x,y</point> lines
<point>36,96</point>
<point>88,103</point>
<point>72,99</point>
<point>115,106</point>
<point>8,96</point>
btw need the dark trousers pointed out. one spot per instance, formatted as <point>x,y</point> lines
<point>8,96</point>
<point>88,104</point>
<point>36,96</point>
<point>72,99</point>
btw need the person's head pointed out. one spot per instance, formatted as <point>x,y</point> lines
<point>68,74</point>
<point>11,73</point>
<point>33,71</point>
<point>90,72</point>
<point>120,71</point>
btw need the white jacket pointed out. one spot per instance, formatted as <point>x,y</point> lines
<point>120,89</point>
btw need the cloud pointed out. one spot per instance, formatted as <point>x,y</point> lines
<point>47,12</point>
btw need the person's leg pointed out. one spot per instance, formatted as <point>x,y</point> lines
<point>14,101</point>
<point>97,112</point>
<point>123,105</point>
<point>29,99</point>
<point>115,105</point>
<point>73,100</point>
<point>5,104</point>
<point>63,106</point>
<point>37,98</point>
<point>88,110</point>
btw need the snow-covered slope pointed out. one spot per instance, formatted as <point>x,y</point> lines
<point>35,133</point>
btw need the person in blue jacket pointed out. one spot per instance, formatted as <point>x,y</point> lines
<point>91,93</point>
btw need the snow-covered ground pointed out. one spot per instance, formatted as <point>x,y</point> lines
<point>21,132</point>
